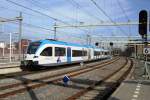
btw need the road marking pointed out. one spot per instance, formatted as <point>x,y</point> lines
<point>135,96</point>
<point>136,92</point>
<point>137,89</point>
<point>133,99</point>
<point>138,86</point>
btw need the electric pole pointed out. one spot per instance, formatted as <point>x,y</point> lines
<point>10,47</point>
<point>20,35</point>
<point>55,31</point>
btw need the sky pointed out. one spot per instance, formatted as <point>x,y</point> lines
<point>39,18</point>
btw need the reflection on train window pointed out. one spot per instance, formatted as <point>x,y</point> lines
<point>84,53</point>
<point>47,52</point>
<point>77,53</point>
<point>33,47</point>
<point>59,51</point>
<point>106,53</point>
<point>96,53</point>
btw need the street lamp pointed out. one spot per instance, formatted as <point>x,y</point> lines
<point>10,54</point>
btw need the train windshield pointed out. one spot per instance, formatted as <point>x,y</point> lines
<point>33,47</point>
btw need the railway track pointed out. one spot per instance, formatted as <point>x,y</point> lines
<point>102,89</point>
<point>9,67</point>
<point>6,70</point>
<point>12,89</point>
<point>22,73</point>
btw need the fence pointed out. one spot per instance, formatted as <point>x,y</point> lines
<point>147,67</point>
<point>12,54</point>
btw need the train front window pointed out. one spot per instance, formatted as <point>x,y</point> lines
<point>33,47</point>
<point>47,52</point>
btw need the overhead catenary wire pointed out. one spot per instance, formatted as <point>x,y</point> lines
<point>28,25</point>
<point>43,14</point>
<point>124,12</point>
<point>25,24</point>
<point>100,9</point>
<point>37,4</point>
<point>73,2</point>
<point>39,11</point>
<point>36,11</point>
<point>18,11</point>
<point>34,26</point>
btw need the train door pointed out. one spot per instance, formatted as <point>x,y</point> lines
<point>89,54</point>
<point>69,55</point>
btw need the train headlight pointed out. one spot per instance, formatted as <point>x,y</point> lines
<point>35,57</point>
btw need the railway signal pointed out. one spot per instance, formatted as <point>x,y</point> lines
<point>143,23</point>
<point>111,44</point>
<point>96,44</point>
<point>149,21</point>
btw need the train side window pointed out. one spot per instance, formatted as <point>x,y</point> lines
<point>47,52</point>
<point>106,53</point>
<point>96,53</point>
<point>78,53</point>
<point>59,51</point>
<point>84,53</point>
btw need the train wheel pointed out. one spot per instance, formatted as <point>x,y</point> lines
<point>23,68</point>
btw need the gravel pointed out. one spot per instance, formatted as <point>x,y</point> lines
<point>57,91</point>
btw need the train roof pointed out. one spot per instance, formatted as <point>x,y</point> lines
<point>100,49</point>
<point>50,41</point>
<point>64,43</point>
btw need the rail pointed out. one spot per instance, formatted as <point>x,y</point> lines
<point>32,84</point>
<point>109,88</point>
<point>147,68</point>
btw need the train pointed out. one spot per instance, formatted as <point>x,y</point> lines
<point>48,52</point>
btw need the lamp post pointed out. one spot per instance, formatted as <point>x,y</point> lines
<point>10,53</point>
<point>55,31</point>
<point>4,50</point>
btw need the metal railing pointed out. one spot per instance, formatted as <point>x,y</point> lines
<point>147,68</point>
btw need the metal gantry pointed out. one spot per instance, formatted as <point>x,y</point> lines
<point>20,18</point>
<point>99,24</point>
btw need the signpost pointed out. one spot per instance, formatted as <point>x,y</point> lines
<point>143,23</point>
<point>146,51</point>
<point>66,79</point>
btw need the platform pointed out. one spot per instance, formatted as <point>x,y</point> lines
<point>10,64</point>
<point>132,90</point>
<point>12,67</point>
<point>135,88</point>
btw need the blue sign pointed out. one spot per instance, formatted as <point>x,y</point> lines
<point>65,80</point>
<point>58,60</point>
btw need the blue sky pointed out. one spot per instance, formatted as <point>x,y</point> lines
<point>71,13</point>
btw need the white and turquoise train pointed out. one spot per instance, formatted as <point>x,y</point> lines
<point>52,53</point>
